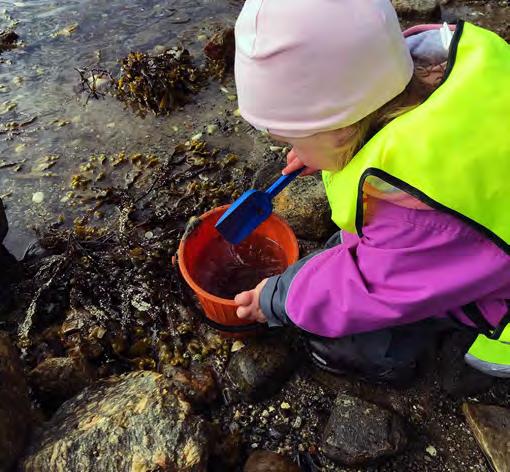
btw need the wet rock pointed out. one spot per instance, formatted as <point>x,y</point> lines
<point>358,432</point>
<point>226,451</point>
<point>456,377</point>
<point>15,414</point>
<point>417,9</point>
<point>268,172</point>
<point>10,268</point>
<point>220,50</point>
<point>267,461</point>
<point>4,227</point>
<point>59,378</point>
<point>305,207</point>
<point>198,384</point>
<point>35,250</point>
<point>10,273</point>
<point>132,422</point>
<point>491,427</point>
<point>260,369</point>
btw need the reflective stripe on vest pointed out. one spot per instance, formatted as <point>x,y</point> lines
<point>493,348</point>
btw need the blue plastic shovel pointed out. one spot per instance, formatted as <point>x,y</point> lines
<point>250,210</point>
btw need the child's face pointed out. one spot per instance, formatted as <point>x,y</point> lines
<point>322,150</point>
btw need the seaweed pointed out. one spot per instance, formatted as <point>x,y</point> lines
<point>8,40</point>
<point>109,292</point>
<point>158,83</point>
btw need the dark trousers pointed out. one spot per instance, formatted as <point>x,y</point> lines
<point>387,355</point>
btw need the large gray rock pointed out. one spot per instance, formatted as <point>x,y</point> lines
<point>358,432</point>
<point>59,378</point>
<point>305,207</point>
<point>15,413</point>
<point>134,422</point>
<point>417,9</point>
<point>491,427</point>
<point>260,369</point>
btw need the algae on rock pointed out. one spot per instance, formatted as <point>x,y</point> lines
<point>127,423</point>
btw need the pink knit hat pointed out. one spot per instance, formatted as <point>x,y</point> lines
<point>306,66</point>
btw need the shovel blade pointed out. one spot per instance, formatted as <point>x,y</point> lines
<point>250,210</point>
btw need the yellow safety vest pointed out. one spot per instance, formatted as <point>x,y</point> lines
<point>451,152</point>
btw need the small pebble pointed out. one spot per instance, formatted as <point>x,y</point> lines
<point>159,49</point>
<point>285,406</point>
<point>237,346</point>
<point>211,129</point>
<point>297,423</point>
<point>431,450</point>
<point>38,197</point>
<point>149,235</point>
<point>67,197</point>
<point>197,137</point>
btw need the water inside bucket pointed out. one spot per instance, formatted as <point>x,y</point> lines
<point>226,270</point>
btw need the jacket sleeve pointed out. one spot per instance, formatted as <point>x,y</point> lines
<point>401,271</point>
<point>274,293</point>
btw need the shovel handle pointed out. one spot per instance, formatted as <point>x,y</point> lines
<point>282,182</point>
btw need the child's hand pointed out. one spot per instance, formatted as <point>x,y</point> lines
<point>248,307</point>
<point>294,163</point>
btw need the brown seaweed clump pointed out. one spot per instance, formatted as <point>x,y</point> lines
<point>158,83</point>
<point>8,40</point>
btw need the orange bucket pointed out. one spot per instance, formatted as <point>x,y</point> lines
<point>221,311</point>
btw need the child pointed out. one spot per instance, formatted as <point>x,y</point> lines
<point>411,136</point>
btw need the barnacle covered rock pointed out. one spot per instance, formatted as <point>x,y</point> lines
<point>131,422</point>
